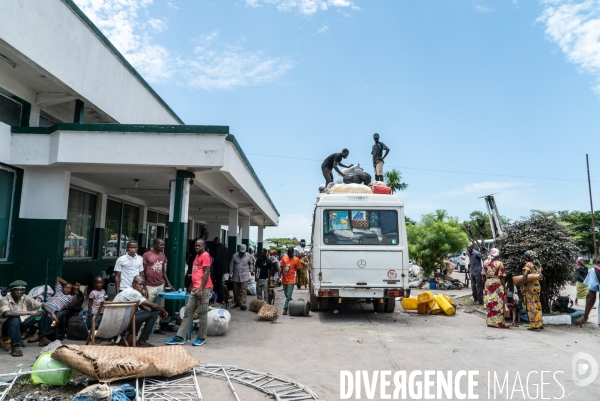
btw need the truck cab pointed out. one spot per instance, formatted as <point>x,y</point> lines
<point>359,250</point>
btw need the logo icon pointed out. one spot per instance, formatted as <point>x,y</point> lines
<point>361,263</point>
<point>392,274</point>
<point>584,369</point>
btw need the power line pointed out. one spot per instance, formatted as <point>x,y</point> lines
<point>439,171</point>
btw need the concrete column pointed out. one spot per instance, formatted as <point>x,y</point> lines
<point>178,222</point>
<point>232,240</point>
<point>41,225</point>
<point>142,228</point>
<point>246,230</point>
<point>259,240</point>
<point>98,250</point>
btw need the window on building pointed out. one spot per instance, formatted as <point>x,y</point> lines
<point>10,111</point>
<point>7,185</point>
<point>122,222</point>
<point>81,218</point>
<point>157,227</point>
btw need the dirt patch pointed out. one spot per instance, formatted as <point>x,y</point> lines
<point>25,389</point>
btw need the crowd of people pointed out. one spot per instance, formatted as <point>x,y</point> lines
<point>140,275</point>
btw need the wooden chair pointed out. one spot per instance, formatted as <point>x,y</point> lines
<point>117,318</point>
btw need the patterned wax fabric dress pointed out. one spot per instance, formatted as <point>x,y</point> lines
<point>493,293</point>
<point>532,297</point>
<point>302,273</point>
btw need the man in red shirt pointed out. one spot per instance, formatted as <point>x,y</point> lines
<point>155,272</point>
<point>289,263</point>
<point>200,291</point>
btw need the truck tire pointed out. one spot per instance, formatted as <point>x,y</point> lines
<point>377,307</point>
<point>314,301</point>
<point>390,305</point>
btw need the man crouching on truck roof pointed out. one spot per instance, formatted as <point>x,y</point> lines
<point>332,162</point>
<point>289,264</point>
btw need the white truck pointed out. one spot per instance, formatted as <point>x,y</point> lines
<point>359,250</point>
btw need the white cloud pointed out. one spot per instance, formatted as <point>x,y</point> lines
<point>481,8</point>
<point>306,7</point>
<point>322,29</point>
<point>575,28</point>
<point>212,64</point>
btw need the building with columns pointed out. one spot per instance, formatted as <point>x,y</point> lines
<point>91,156</point>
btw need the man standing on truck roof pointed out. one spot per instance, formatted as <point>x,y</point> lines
<point>378,156</point>
<point>332,162</point>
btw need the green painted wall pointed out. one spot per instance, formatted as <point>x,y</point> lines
<point>40,242</point>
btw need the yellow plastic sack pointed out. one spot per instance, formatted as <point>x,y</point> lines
<point>445,304</point>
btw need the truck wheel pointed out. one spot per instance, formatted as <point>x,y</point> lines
<point>390,305</point>
<point>377,307</point>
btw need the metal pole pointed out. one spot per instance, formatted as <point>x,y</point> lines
<point>592,207</point>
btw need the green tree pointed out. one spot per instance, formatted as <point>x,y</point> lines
<point>282,244</point>
<point>550,239</point>
<point>393,179</point>
<point>579,225</point>
<point>434,236</point>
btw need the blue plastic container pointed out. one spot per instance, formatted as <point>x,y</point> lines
<point>432,286</point>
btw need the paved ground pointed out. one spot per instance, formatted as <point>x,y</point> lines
<point>312,350</point>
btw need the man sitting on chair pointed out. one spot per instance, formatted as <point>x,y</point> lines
<point>147,312</point>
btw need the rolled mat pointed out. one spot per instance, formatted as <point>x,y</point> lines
<point>107,364</point>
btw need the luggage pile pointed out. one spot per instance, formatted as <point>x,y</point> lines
<point>427,303</point>
<point>356,181</point>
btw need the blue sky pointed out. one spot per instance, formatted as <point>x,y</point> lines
<point>472,97</point>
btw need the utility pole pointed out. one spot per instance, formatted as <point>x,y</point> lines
<point>592,207</point>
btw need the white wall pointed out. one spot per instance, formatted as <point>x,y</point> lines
<point>21,90</point>
<point>5,139</point>
<point>45,193</point>
<point>50,36</point>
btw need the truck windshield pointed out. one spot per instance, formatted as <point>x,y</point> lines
<point>360,227</point>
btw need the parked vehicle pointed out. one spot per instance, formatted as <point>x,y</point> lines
<point>359,250</point>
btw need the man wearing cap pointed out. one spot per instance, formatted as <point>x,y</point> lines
<point>378,156</point>
<point>239,271</point>
<point>18,313</point>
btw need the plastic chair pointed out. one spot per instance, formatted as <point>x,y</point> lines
<point>117,317</point>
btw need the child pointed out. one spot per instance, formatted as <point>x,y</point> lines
<point>96,297</point>
<point>511,301</point>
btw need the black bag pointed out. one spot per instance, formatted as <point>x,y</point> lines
<point>562,304</point>
<point>76,329</point>
<point>352,179</point>
<point>365,178</point>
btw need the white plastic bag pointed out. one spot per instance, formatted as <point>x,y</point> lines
<point>217,322</point>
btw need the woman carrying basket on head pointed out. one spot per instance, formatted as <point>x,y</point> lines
<point>493,290</point>
<point>531,291</point>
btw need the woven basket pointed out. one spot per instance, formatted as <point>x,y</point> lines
<point>107,364</point>
<point>256,305</point>
<point>268,312</point>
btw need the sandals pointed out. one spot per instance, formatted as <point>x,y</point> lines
<point>16,352</point>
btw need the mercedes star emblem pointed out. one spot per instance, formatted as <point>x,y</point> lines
<point>361,263</point>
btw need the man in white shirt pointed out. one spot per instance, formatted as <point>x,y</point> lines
<point>128,266</point>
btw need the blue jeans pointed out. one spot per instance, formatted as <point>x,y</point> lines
<point>13,327</point>
<point>288,289</point>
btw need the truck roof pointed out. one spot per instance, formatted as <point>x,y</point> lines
<point>352,199</point>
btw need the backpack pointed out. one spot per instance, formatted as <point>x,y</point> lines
<point>562,304</point>
<point>76,329</point>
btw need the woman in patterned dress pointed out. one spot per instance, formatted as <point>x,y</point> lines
<point>531,291</point>
<point>302,272</point>
<point>493,291</point>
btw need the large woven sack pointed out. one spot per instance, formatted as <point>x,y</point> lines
<point>268,312</point>
<point>256,304</point>
<point>107,364</point>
